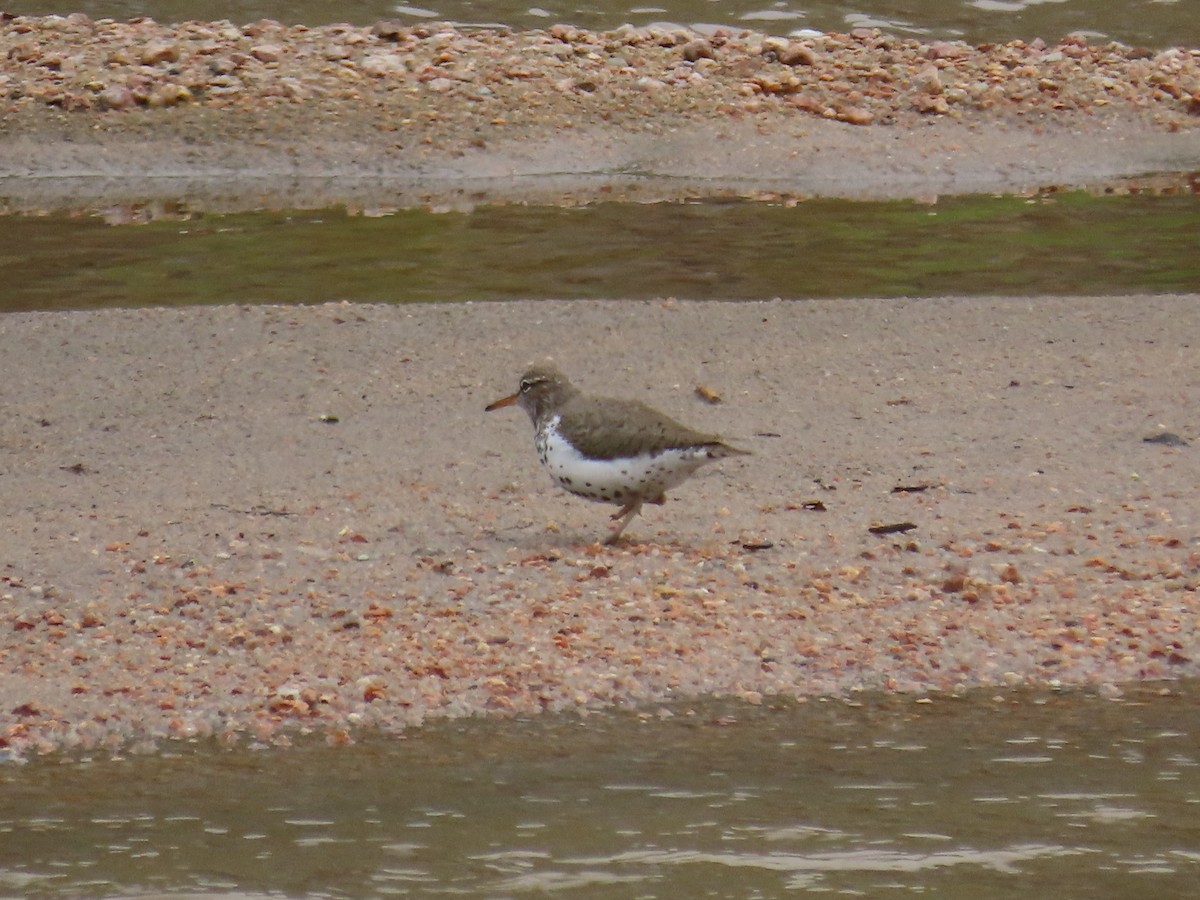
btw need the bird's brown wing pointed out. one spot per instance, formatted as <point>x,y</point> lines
<point>607,428</point>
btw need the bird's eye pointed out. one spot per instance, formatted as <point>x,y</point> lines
<point>526,384</point>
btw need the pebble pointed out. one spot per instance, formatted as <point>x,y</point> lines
<point>696,49</point>
<point>381,64</point>
<point>669,620</point>
<point>160,52</point>
<point>797,55</point>
<point>85,64</point>
<point>267,53</point>
<point>116,97</point>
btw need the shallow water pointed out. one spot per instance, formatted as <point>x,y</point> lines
<point>1065,795</point>
<point>1062,244</point>
<point>1153,23</point>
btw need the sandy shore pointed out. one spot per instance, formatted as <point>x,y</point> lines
<point>246,521</point>
<point>235,117</point>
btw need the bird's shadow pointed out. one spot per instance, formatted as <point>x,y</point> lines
<point>584,542</point>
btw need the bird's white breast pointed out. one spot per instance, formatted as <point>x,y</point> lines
<point>615,480</point>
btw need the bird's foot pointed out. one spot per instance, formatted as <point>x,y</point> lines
<point>623,517</point>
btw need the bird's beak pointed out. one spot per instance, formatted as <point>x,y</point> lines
<point>501,403</point>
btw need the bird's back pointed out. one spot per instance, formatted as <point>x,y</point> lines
<point>609,427</point>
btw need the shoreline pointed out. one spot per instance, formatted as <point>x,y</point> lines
<point>100,112</point>
<point>256,522</point>
<point>712,162</point>
<point>195,546</point>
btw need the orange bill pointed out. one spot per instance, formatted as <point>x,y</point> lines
<point>501,403</point>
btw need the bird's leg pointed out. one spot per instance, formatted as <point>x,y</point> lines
<point>625,514</point>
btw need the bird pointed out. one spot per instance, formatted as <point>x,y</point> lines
<point>606,449</point>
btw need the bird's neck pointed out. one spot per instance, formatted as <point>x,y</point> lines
<point>551,405</point>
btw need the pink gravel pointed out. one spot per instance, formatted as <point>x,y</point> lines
<point>97,113</point>
<point>257,522</point>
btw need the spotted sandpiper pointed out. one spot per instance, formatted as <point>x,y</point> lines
<point>609,450</point>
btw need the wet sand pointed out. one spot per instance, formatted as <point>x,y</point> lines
<point>223,117</point>
<point>249,522</point>
<point>252,521</point>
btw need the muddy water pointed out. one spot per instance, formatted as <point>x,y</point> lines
<point>1064,795</point>
<point>1063,244</point>
<point>1153,23</point>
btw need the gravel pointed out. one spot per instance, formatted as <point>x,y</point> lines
<point>426,114</point>
<point>863,77</point>
<point>252,523</point>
